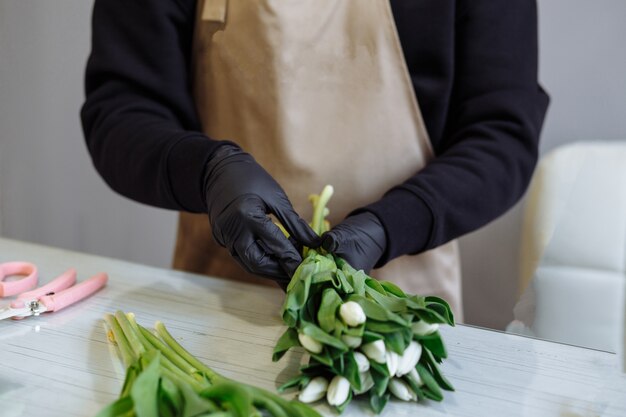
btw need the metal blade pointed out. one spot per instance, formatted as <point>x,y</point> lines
<point>13,312</point>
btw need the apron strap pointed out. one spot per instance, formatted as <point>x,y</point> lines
<point>213,14</point>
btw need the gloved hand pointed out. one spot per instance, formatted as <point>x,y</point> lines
<point>359,239</point>
<point>240,194</point>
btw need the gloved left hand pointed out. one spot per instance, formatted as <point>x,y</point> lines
<point>359,239</point>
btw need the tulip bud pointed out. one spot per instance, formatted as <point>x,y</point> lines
<point>367,382</point>
<point>392,362</point>
<point>351,341</point>
<point>422,328</point>
<point>338,390</point>
<point>314,391</point>
<point>352,314</point>
<point>415,377</point>
<point>375,351</point>
<point>361,361</point>
<point>402,390</point>
<point>409,358</point>
<point>309,343</point>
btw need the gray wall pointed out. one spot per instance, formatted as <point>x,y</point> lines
<point>50,194</point>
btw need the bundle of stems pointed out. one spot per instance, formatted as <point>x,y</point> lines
<point>164,379</point>
<point>363,336</point>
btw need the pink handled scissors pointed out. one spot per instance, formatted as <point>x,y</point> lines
<point>54,296</point>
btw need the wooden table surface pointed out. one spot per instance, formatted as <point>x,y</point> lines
<point>60,364</point>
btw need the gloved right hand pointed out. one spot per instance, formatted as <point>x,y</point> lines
<point>239,196</point>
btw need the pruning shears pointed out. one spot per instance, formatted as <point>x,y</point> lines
<point>54,296</point>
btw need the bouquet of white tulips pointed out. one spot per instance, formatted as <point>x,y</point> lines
<point>365,337</point>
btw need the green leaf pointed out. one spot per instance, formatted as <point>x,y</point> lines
<point>353,331</point>
<point>132,372</point>
<point>392,288</point>
<point>288,340</point>
<point>443,303</point>
<point>290,317</point>
<point>323,357</point>
<point>435,344</point>
<point>378,402</point>
<point>375,285</point>
<point>298,380</point>
<point>195,404</point>
<point>430,316</point>
<point>389,302</point>
<point>369,336</point>
<point>375,311</point>
<point>123,406</point>
<point>170,399</point>
<point>380,376</point>
<point>327,312</point>
<point>303,410</point>
<point>145,390</point>
<point>231,396</point>
<point>395,342</point>
<point>313,368</point>
<point>428,359</point>
<point>356,280</point>
<point>431,388</point>
<point>351,370</point>
<point>346,287</point>
<point>383,326</point>
<point>322,277</point>
<point>416,389</point>
<point>321,336</point>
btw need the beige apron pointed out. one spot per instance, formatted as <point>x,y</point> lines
<point>319,93</point>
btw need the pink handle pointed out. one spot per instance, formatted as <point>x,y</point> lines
<point>20,285</point>
<point>66,280</point>
<point>72,295</point>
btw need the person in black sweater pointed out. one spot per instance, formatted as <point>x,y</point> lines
<point>473,66</point>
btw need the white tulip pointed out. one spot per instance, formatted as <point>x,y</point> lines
<point>415,377</point>
<point>338,390</point>
<point>375,351</point>
<point>392,362</point>
<point>422,328</point>
<point>351,341</point>
<point>309,343</point>
<point>314,391</point>
<point>352,314</point>
<point>361,361</point>
<point>402,390</point>
<point>409,358</point>
<point>367,382</point>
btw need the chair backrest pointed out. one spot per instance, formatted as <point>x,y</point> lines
<point>573,249</point>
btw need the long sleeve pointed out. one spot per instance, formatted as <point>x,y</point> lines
<point>138,118</point>
<point>488,147</point>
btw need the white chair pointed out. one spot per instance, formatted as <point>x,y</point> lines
<point>573,254</point>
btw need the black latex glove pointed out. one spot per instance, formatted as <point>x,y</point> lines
<point>359,239</point>
<point>240,194</point>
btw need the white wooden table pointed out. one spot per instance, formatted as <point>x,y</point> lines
<point>60,364</point>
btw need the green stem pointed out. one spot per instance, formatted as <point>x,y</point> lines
<point>172,343</point>
<point>167,352</point>
<point>176,374</point>
<point>180,369</point>
<point>318,209</point>
<point>129,332</point>
<point>128,357</point>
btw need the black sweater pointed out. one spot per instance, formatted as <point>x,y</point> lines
<point>473,64</point>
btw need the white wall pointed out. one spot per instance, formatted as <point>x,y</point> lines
<point>49,192</point>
